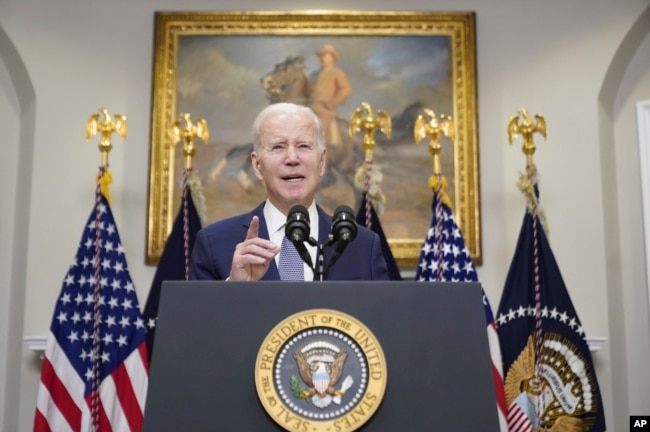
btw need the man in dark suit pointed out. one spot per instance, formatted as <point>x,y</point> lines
<point>289,157</point>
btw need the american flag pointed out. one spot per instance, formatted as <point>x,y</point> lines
<point>95,369</point>
<point>445,258</point>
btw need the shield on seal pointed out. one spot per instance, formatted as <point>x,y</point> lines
<point>321,378</point>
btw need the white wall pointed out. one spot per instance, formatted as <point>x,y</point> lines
<point>17,119</point>
<point>9,120</point>
<point>634,286</point>
<point>556,58</point>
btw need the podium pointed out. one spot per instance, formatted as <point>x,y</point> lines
<point>433,337</point>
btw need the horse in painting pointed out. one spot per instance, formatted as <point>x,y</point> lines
<point>287,82</point>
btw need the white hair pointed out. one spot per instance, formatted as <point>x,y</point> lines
<point>286,108</point>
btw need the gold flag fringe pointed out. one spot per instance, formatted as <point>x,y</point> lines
<point>374,192</point>
<point>440,182</point>
<point>526,185</point>
<point>104,178</point>
<point>196,190</point>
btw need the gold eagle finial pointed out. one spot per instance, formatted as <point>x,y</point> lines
<point>429,126</point>
<point>368,124</point>
<point>183,129</point>
<point>101,122</point>
<point>526,129</point>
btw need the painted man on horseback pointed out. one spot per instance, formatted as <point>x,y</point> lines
<point>329,89</point>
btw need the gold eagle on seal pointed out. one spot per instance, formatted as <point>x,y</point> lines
<point>320,366</point>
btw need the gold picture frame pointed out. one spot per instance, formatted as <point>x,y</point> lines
<point>210,64</point>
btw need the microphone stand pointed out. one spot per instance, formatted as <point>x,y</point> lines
<point>324,268</point>
<point>319,268</point>
<point>319,273</point>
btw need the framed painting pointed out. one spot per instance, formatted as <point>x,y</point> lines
<point>224,67</point>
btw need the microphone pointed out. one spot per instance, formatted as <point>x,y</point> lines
<point>297,227</point>
<point>297,230</point>
<point>344,225</point>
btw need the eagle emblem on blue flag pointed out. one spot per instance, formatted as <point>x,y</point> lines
<point>564,393</point>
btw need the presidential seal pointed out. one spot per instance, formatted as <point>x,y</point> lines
<point>320,371</point>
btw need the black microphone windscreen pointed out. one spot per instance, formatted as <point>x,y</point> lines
<point>297,227</point>
<point>299,208</point>
<point>343,209</point>
<point>344,224</point>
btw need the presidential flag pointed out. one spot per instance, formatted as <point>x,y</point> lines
<point>445,258</point>
<point>550,382</point>
<point>174,262</point>
<point>95,369</point>
<point>366,216</point>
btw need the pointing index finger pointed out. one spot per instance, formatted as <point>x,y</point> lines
<point>253,229</point>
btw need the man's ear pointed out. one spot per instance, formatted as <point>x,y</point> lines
<point>323,163</point>
<point>255,162</point>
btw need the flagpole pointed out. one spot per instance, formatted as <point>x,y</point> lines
<point>100,122</point>
<point>84,354</point>
<point>428,126</point>
<point>369,124</point>
<point>368,176</point>
<point>174,261</point>
<point>184,130</point>
<point>543,340</point>
<point>527,128</point>
<point>444,256</point>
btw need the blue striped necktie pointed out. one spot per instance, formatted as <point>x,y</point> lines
<point>291,265</point>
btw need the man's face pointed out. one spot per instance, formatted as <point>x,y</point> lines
<point>289,161</point>
<point>326,59</point>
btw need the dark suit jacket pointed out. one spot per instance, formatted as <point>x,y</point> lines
<point>215,244</point>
